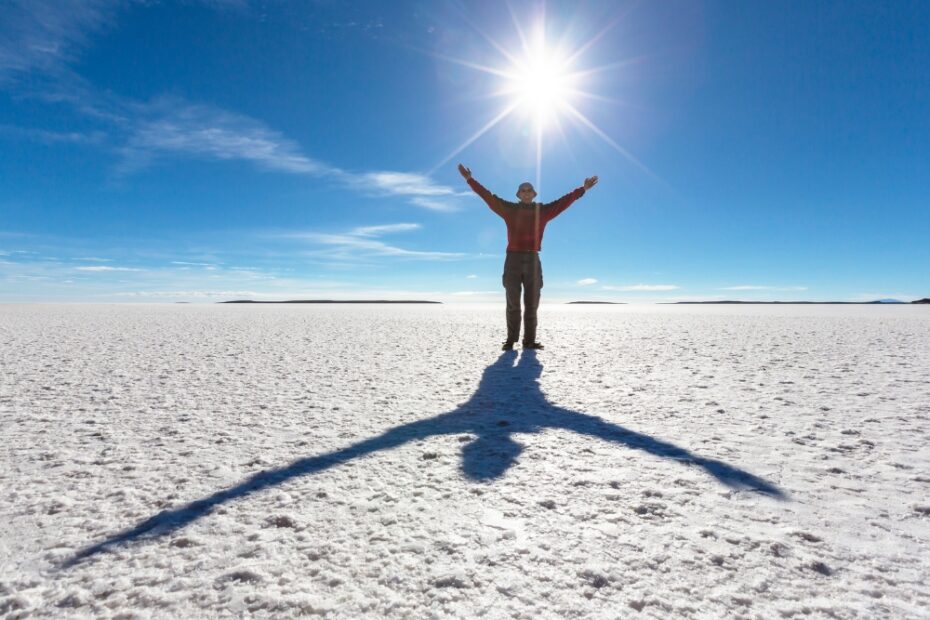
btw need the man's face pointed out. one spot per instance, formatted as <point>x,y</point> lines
<point>526,193</point>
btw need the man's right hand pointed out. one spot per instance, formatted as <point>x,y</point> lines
<point>465,172</point>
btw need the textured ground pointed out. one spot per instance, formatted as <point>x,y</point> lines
<point>370,461</point>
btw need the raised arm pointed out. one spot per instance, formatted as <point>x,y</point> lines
<point>492,201</point>
<point>554,208</point>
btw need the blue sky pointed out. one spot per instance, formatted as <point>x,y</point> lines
<point>199,151</point>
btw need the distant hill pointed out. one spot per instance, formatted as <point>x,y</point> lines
<point>618,303</point>
<point>925,300</point>
<point>850,303</point>
<point>331,301</point>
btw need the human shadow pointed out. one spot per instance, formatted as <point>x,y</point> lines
<point>508,401</point>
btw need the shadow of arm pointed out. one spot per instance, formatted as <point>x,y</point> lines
<point>729,475</point>
<point>169,521</point>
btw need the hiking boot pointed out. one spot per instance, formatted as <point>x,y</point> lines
<point>533,345</point>
<point>507,345</point>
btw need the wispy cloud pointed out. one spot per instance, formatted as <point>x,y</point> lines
<point>184,264</point>
<point>361,242</point>
<point>102,268</point>
<point>377,231</point>
<point>210,133</point>
<point>45,35</point>
<point>45,136</point>
<point>587,281</point>
<point>422,190</point>
<point>471,276</point>
<point>642,287</point>
<point>404,183</point>
<point>170,127</point>
<point>753,287</point>
<point>434,205</point>
<point>204,294</point>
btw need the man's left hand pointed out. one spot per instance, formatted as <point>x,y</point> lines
<point>590,182</point>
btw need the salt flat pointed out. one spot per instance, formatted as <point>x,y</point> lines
<point>384,461</point>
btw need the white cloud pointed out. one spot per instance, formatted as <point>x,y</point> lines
<point>471,276</point>
<point>377,231</point>
<point>45,35</point>
<point>360,243</point>
<point>210,133</point>
<point>419,189</point>
<point>52,137</point>
<point>422,190</point>
<point>752,287</point>
<point>105,268</point>
<point>174,127</point>
<point>198,294</point>
<point>404,183</point>
<point>434,205</point>
<point>187,264</point>
<point>350,246</point>
<point>587,281</point>
<point>642,287</point>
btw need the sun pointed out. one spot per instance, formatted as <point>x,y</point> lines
<point>540,84</point>
<point>545,84</point>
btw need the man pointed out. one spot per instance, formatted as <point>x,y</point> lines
<point>526,220</point>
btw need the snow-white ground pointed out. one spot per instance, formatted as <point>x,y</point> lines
<point>389,461</point>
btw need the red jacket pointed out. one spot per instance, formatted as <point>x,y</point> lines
<point>525,223</point>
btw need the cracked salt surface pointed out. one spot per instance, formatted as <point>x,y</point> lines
<point>346,462</point>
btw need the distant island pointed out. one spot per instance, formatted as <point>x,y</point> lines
<point>331,301</point>
<point>619,303</point>
<point>849,303</point>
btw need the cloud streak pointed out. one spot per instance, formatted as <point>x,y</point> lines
<point>209,133</point>
<point>753,287</point>
<point>171,127</point>
<point>45,35</point>
<point>642,287</point>
<point>377,231</point>
<point>362,242</point>
<point>104,268</point>
<point>41,38</point>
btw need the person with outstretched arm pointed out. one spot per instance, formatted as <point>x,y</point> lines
<point>526,220</point>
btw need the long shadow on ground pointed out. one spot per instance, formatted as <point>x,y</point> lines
<point>508,401</point>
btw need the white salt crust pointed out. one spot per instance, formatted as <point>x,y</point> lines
<point>652,462</point>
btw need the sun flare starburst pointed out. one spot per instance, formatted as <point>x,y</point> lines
<point>542,83</point>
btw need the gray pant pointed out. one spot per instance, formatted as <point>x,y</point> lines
<point>522,269</point>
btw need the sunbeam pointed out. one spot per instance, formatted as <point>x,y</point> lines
<point>603,136</point>
<point>507,111</point>
<point>542,82</point>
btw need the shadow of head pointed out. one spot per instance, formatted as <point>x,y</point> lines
<point>489,456</point>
